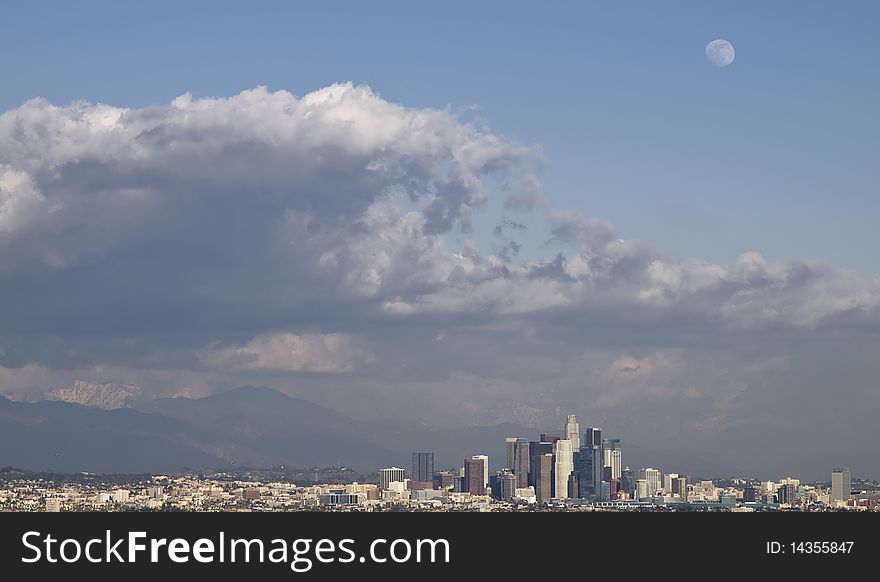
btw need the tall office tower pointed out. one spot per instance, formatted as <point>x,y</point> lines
<point>521,463</point>
<point>474,479</point>
<point>562,469</point>
<point>668,478</point>
<point>549,437</point>
<point>612,453</point>
<point>597,470</point>
<point>652,480</point>
<point>583,471</point>
<point>641,489</point>
<point>422,467</point>
<point>616,468</point>
<point>593,437</point>
<point>485,460</point>
<point>573,432</point>
<point>507,482</point>
<point>543,480</point>
<point>510,447</point>
<point>680,486</point>
<point>536,449</point>
<point>390,475</point>
<point>841,484</point>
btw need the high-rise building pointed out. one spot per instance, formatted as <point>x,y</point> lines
<point>679,486</point>
<point>422,467</point>
<point>549,437</point>
<point>521,463</point>
<point>507,482</point>
<point>597,470</point>
<point>668,478</point>
<point>841,484</point>
<point>390,475</point>
<point>593,437</point>
<point>613,458</point>
<point>543,483</point>
<point>786,494</point>
<point>642,489</point>
<point>474,476</point>
<point>583,471</point>
<point>485,460</point>
<point>536,449</point>
<point>573,432</point>
<point>510,448</point>
<point>562,468</point>
<point>651,477</point>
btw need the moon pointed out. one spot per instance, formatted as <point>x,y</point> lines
<point>720,52</point>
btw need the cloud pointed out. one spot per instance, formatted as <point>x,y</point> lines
<point>289,352</point>
<point>283,240</point>
<point>526,193</point>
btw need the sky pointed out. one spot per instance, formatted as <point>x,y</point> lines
<point>467,213</point>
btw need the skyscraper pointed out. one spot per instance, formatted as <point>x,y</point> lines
<point>613,457</point>
<point>593,437</point>
<point>485,460</point>
<point>562,468</point>
<point>474,476</point>
<point>583,470</point>
<point>543,469</point>
<point>652,480</point>
<point>841,484</point>
<point>536,449</point>
<point>521,463</point>
<point>422,467</point>
<point>667,482</point>
<point>510,448</point>
<point>597,470</point>
<point>573,432</point>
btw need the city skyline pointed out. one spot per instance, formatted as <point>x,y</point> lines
<point>556,477</point>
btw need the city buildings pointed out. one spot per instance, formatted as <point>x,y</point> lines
<point>841,484</point>
<point>545,475</point>
<point>573,432</point>
<point>422,467</point>
<point>389,475</point>
<point>562,468</point>
<point>543,468</point>
<point>474,475</point>
<point>651,477</point>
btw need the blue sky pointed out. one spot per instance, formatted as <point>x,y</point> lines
<point>777,153</point>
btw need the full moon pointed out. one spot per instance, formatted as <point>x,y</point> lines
<point>720,52</point>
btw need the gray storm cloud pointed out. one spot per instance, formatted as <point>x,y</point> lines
<point>305,242</point>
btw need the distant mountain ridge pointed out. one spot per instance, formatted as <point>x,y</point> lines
<point>251,427</point>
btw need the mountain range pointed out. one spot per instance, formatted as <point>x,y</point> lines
<point>245,427</point>
<point>254,427</point>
